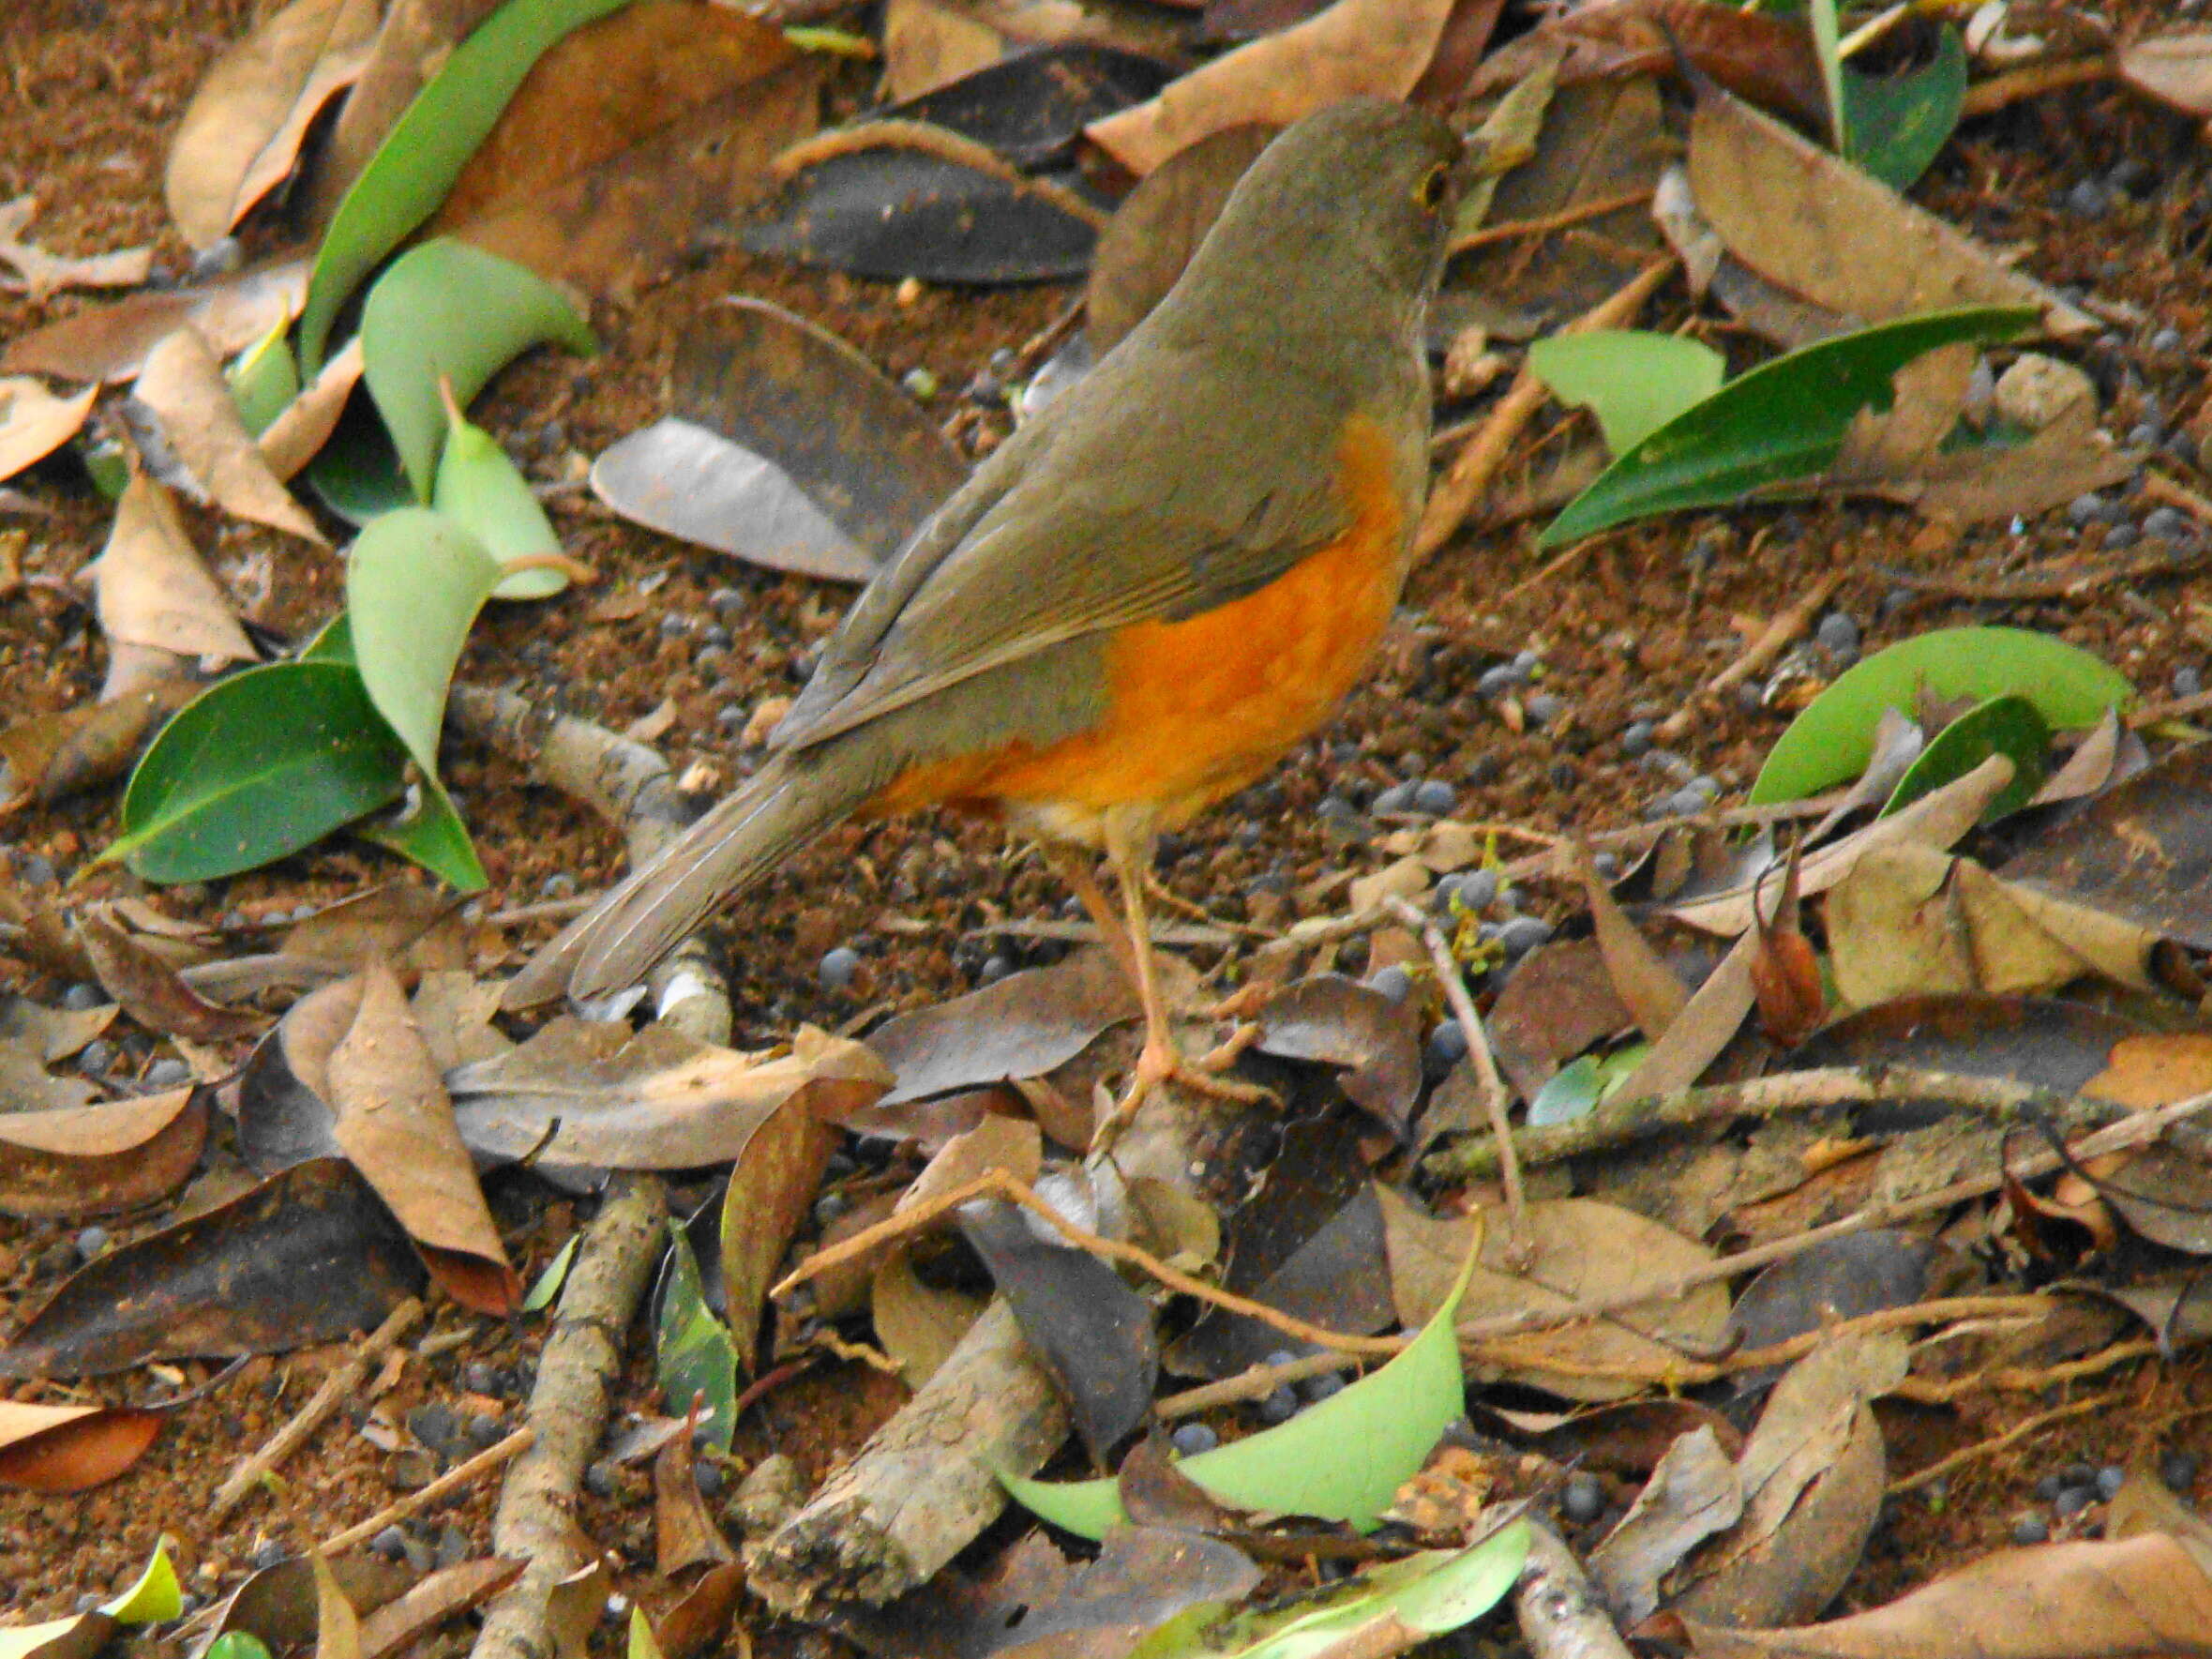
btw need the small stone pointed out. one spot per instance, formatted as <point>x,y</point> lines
<point>2166,524</point>
<point>95,1056</point>
<point>2031,1529</point>
<point>1189,1438</point>
<point>599,1478</point>
<point>2049,1486</point>
<point>2110,1479</point>
<point>1520,935</point>
<point>2145,435</point>
<point>994,969</point>
<point>90,1241</point>
<point>1526,663</point>
<point>88,1601</point>
<point>167,1074</point>
<point>2168,339</point>
<point>81,996</point>
<point>829,1208</point>
<point>1837,633</point>
<point>452,1548</point>
<point>2088,510</point>
<point>1316,1389</point>
<point>1393,982</point>
<point>2035,390</point>
<point>2089,199</point>
<point>710,1478</point>
<point>483,1429</point>
<point>1583,1500</point>
<point>1397,798</point>
<point>480,1376</point>
<point>839,969</point>
<point>726,602</point>
<point>37,871</point>
<point>1635,739</point>
<point>2187,681</point>
<point>433,1424</point>
<point>1280,1406</point>
<point>674,626</point>
<point>1336,809</point>
<point>2072,1502</point>
<point>1435,797</point>
<point>1445,1048</point>
<point>2121,537</point>
<point>1500,680</point>
<point>1545,707</point>
<point>391,1544</point>
<point>2178,1471</point>
<point>1477,890</point>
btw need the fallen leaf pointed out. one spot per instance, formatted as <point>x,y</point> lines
<point>42,275</point>
<point>396,1624</point>
<point>181,384</point>
<point>151,990</point>
<point>772,1189</point>
<point>684,1532</point>
<point>2175,68</point>
<point>1373,1037</point>
<point>151,588</point>
<point>303,426</point>
<point>109,342</point>
<point>66,1162</point>
<point>242,130</point>
<point>1693,1493</point>
<point>1357,48</point>
<point>917,1324</point>
<point>34,423</point>
<point>59,1449</point>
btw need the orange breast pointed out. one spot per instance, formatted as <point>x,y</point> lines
<point>1201,708</point>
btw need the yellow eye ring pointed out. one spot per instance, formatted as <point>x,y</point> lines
<point>1430,192</point>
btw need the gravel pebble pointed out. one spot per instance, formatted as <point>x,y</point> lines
<point>1523,934</point>
<point>1543,708</point>
<point>1635,739</point>
<point>480,1376</point>
<point>1435,797</point>
<point>599,1478</point>
<point>1584,1499</point>
<point>710,1478</point>
<point>2110,1479</point>
<point>83,996</point>
<point>1445,1048</point>
<point>1837,633</point>
<point>1393,981</point>
<point>1189,1438</point>
<point>2029,1530</point>
<point>391,1544</point>
<point>726,602</point>
<point>2090,199</point>
<point>2168,339</point>
<point>90,1241</point>
<point>167,1074</point>
<point>1397,798</point>
<point>1500,679</point>
<point>839,969</point>
<point>674,626</point>
<point>2178,1471</point>
<point>1316,1389</point>
<point>1280,1406</point>
<point>265,1556</point>
<point>2166,524</point>
<point>95,1056</point>
<point>37,871</point>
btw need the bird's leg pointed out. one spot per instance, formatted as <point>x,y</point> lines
<point>1159,1058</point>
<point>1073,867</point>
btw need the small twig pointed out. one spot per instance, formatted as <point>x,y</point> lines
<point>1995,1443</point>
<point>1000,1184</point>
<point>2000,92</point>
<point>1454,495</point>
<point>339,1387</point>
<point>2171,708</point>
<point>1255,1382</point>
<point>2173,492</point>
<point>1560,1615</point>
<point>546,910</point>
<point>1786,626</point>
<point>1035,349</point>
<point>1495,1098</point>
<point>2082,584</point>
<point>2028,1379</point>
<point>1514,229</point>
<point>453,1480</point>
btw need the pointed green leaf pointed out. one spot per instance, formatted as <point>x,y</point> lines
<point>693,1350</point>
<point>1833,738</point>
<point>1782,422</point>
<point>258,766</point>
<point>480,488</point>
<point>1342,1459</point>
<point>155,1598</point>
<point>1898,125</point>
<point>1634,382</point>
<point>642,1645</point>
<point>452,312</point>
<point>2007,726</point>
<point>263,380</point>
<point>556,1275</point>
<point>427,830</point>
<point>426,149</point>
<point>415,582</point>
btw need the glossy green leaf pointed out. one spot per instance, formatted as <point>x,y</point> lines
<point>1342,1459</point>
<point>2008,726</point>
<point>548,1283</point>
<point>1430,1593</point>
<point>1782,422</point>
<point>258,766</point>
<point>481,488</point>
<point>426,149</point>
<point>693,1350</point>
<point>425,829</point>
<point>1633,381</point>
<point>452,313</point>
<point>263,378</point>
<point>357,472</point>
<point>154,1599</point>
<point>1895,126</point>
<point>415,582</point>
<point>237,1644</point>
<point>642,1645</point>
<point>333,643</point>
<point>1833,736</point>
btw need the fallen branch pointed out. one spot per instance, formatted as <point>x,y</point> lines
<point>1559,1613</point>
<point>338,1388</point>
<point>576,1370</point>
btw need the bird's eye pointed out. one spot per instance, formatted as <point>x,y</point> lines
<point>1430,193</point>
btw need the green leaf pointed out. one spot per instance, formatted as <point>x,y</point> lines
<point>1833,736</point>
<point>693,1350</point>
<point>415,582</point>
<point>1827,50</point>
<point>556,1275</point>
<point>1342,1459</point>
<point>1430,1593</point>
<point>333,643</point>
<point>642,1645</point>
<point>2008,726</point>
<point>426,149</point>
<point>263,380</point>
<point>258,766</point>
<point>155,1598</point>
<point>358,473</point>
<point>1569,1093</point>
<point>1781,422</point>
<point>1633,381</point>
<point>237,1644</point>
<point>428,830</point>
<point>481,488</point>
<point>1895,126</point>
<point>446,311</point>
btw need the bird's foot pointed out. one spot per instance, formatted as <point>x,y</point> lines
<point>1161,1062</point>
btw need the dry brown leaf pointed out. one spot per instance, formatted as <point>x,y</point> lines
<point>2174,67</point>
<point>109,342</point>
<point>48,757</point>
<point>772,1189</point>
<point>34,423</point>
<point>1693,1492</point>
<point>183,385</point>
<point>1650,990</point>
<point>68,1448</point>
<point>629,139</point>
<point>1805,219</point>
<point>447,1594</point>
<point>2124,1600</point>
<point>929,43</point>
<point>73,1161</point>
<point>1708,1024</point>
<point>685,1531</point>
<point>151,588</point>
<point>304,425</point>
<point>395,1123</point>
<point>42,275</point>
<point>151,990</point>
<point>917,1324</point>
<point>242,130</point>
<point>1357,48</point>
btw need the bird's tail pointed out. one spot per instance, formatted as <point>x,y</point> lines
<point>784,804</point>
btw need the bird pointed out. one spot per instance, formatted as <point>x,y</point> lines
<point>1147,596</point>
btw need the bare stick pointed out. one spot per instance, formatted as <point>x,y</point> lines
<point>1990,1447</point>
<point>1559,1613</point>
<point>339,1387</point>
<point>1514,229</point>
<point>453,1480</point>
<point>1786,626</point>
<point>2003,91</point>
<point>1454,495</point>
<point>1478,1048</point>
<point>576,1371</point>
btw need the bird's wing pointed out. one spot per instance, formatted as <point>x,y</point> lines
<point>1070,531</point>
